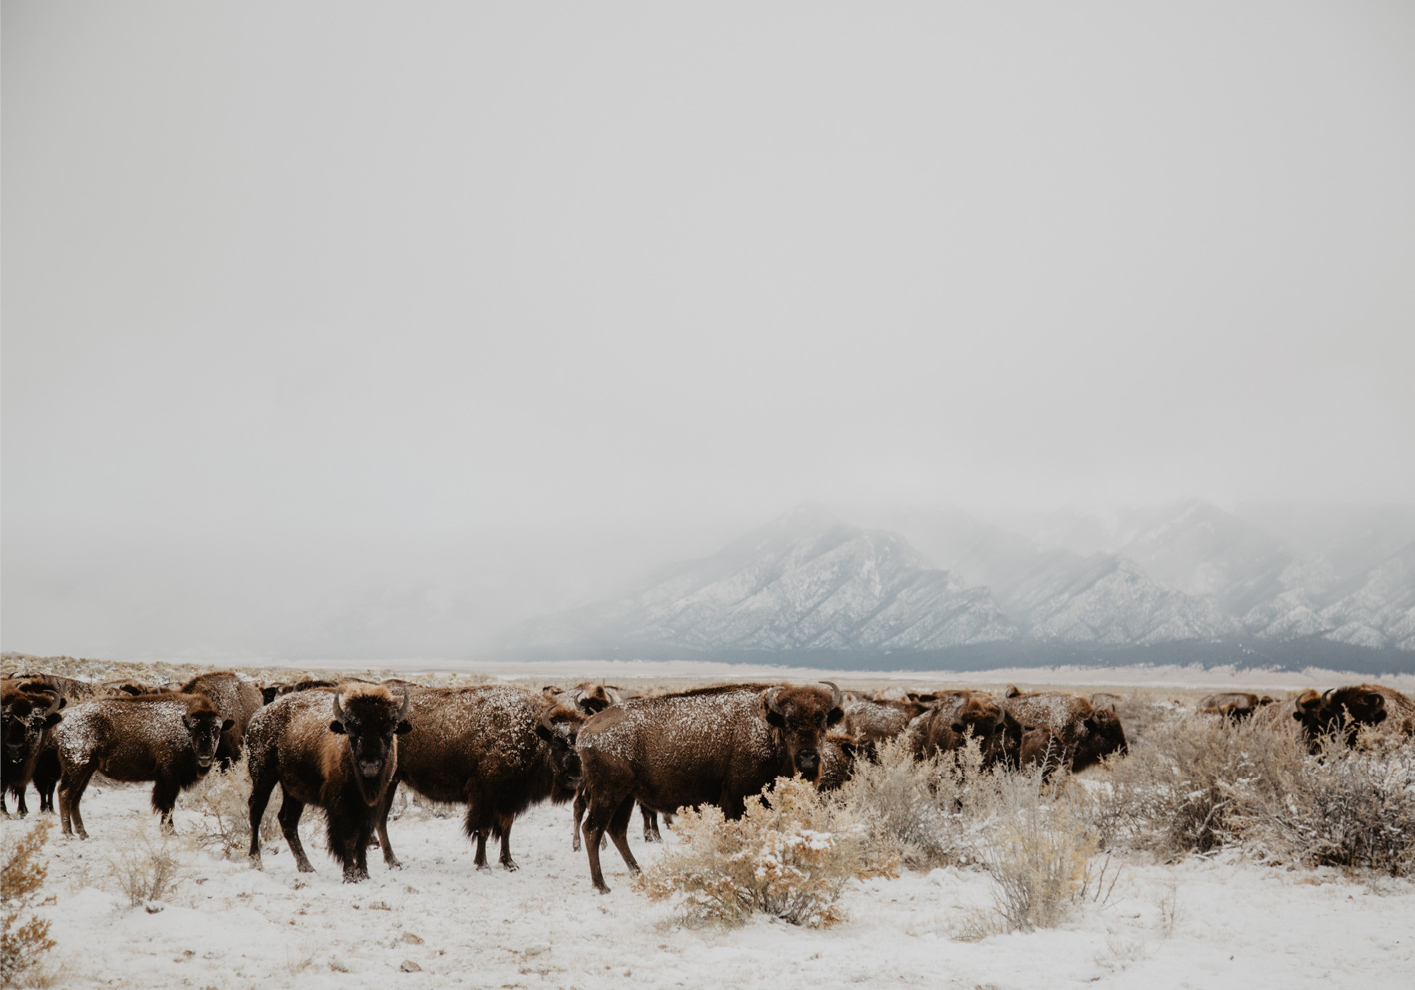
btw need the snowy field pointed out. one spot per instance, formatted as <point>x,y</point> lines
<point>1201,923</point>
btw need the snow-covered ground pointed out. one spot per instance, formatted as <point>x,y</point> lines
<point>1235,924</point>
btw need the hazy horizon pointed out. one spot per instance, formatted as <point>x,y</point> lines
<point>332,323</point>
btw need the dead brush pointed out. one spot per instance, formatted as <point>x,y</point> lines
<point>146,871</point>
<point>1181,789</point>
<point>222,801</point>
<point>791,859</point>
<point>929,812</point>
<point>1038,856</point>
<point>1352,808</point>
<point>24,934</point>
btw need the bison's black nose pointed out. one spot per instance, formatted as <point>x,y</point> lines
<point>808,761</point>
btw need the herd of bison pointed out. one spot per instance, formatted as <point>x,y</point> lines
<point>346,747</point>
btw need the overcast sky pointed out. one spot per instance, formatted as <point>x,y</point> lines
<point>309,308</point>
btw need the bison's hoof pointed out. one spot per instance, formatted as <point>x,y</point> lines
<point>601,888</point>
<point>255,862</point>
<point>393,864</point>
<point>509,865</point>
<point>576,845</point>
<point>483,866</point>
<point>652,837</point>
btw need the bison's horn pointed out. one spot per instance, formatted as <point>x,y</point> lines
<point>771,700</point>
<point>1325,693</point>
<point>338,708</point>
<point>407,704</point>
<point>835,694</point>
<point>56,701</point>
<point>545,719</point>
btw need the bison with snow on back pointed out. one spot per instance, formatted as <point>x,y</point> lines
<point>168,738</point>
<point>709,746</point>
<point>237,699</point>
<point>28,715</point>
<point>1088,734</point>
<point>336,749</point>
<point>958,715</point>
<point>879,721</point>
<point>497,749</point>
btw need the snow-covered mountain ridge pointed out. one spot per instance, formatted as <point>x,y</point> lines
<point>937,579</point>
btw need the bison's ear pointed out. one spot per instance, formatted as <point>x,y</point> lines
<point>404,727</point>
<point>51,720</point>
<point>836,714</point>
<point>776,719</point>
<point>336,727</point>
<point>592,706</point>
<point>63,702</point>
<point>1297,715</point>
<point>227,724</point>
<point>545,733</point>
<point>958,727</point>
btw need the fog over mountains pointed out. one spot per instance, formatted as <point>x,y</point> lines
<point>938,580</point>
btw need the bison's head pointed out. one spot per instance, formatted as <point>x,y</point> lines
<point>26,715</point>
<point>977,715</point>
<point>558,727</point>
<point>1345,710</point>
<point>204,725</point>
<point>370,719</point>
<point>1101,735</point>
<point>802,715</point>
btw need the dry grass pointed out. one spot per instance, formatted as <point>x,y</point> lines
<point>146,871</point>
<point>222,800</point>
<point>791,859</point>
<point>24,935</point>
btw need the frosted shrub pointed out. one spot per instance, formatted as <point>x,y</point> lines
<point>791,859</point>
<point>145,871</point>
<point>1037,856</point>
<point>1352,808</point>
<point>1181,789</point>
<point>222,800</point>
<point>24,936</point>
<point>924,812</point>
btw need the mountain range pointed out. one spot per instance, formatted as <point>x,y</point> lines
<point>931,580</point>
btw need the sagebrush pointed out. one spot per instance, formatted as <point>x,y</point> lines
<point>24,940</point>
<point>791,858</point>
<point>222,800</point>
<point>145,870</point>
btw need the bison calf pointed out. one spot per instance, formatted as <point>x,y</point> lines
<point>167,738</point>
<point>336,749</point>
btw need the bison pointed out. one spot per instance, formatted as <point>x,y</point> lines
<point>714,745</point>
<point>881,721</point>
<point>333,748</point>
<point>28,714</point>
<point>1233,705</point>
<point>498,749</point>
<point>955,716</point>
<point>169,738</point>
<point>237,699</point>
<point>1087,734</point>
<point>1346,709</point>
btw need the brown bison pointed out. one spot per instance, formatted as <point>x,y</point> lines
<point>714,745</point>
<point>28,715</point>
<point>1233,705</point>
<point>498,749</point>
<point>333,748</point>
<point>1346,709</point>
<point>881,721</point>
<point>1087,734</point>
<point>169,738</point>
<point>1041,747</point>
<point>956,716</point>
<point>237,699</point>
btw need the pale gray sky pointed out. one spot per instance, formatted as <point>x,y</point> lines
<point>310,308</point>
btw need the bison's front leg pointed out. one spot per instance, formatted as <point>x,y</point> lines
<point>479,860</point>
<point>384,806</point>
<point>164,798</point>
